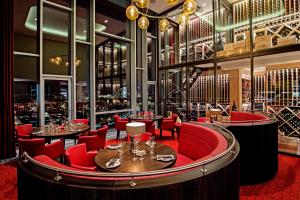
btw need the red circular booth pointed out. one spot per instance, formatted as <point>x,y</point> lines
<point>207,161</point>
<point>257,134</point>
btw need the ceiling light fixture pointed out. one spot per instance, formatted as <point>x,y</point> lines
<point>106,21</point>
<point>132,13</point>
<point>62,60</point>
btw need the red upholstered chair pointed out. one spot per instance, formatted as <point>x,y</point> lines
<point>120,124</point>
<point>95,140</point>
<point>83,121</point>
<point>37,146</point>
<point>150,126</point>
<point>168,124</point>
<point>24,130</point>
<point>78,157</point>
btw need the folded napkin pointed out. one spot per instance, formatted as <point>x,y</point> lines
<point>112,163</point>
<point>114,146</point>
<point>165,158</point>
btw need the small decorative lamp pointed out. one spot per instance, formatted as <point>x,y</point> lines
<point>214,113</point>
<point>135,129</point>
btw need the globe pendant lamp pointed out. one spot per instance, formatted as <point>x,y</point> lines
<point>189,6</point>
<point>143,22</point>
<point>163,24</point>
<point>171,2</point>
<point>142,3</point>
<point>183,18</point>
<point>132,12</point>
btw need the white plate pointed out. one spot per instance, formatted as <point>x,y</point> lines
<point>116,163</point>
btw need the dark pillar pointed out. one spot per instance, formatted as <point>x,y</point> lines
<point>7,142</point>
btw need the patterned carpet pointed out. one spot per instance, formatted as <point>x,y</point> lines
<point>284,186</point>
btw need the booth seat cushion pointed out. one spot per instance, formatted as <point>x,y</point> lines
<point>197,142</point>
<point>182,160</point>
<point>48,161</point>
<point>245,116</point>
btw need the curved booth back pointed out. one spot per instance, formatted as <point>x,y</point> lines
<point>246,117</point>
<point>43,178</point>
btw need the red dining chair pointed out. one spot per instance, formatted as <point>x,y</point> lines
<point>120,124</point>
<point>24,130</point>
<point>168,124</point>
<point>95,140</point>
<point>78,157</point>
<point>150,125</point>
<point>37,146</point>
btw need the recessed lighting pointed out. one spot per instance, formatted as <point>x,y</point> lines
<point>84,31</point>
<point>105,21</point>
<point>204,4</point>
<point>35,19</point>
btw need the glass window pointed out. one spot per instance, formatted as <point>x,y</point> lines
<point>83,20</point>
<point>56,44</point>
<point>26,90</point>
<point>82,81</point>
<point>25,26</point>
<point>56,101</point>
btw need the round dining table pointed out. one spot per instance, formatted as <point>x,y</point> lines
<point>58,132</point>
<point>131,163</point>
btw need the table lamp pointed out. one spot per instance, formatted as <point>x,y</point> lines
<point>214,113</point>
<point>135,129</point>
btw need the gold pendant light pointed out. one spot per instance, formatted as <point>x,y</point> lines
<point>143,22</point>
<point>164,24</point>
<point>132,12</point>
<point>142,3</point>
<point>189,6</point>
<point>171,2</point>
<point>183,18</point>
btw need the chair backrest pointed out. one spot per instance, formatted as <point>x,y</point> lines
<point>24,130</point>
<point>150,126</point>
<point>116,118</point>
<point>83,121</point>
<point>33,147</point>
<point>101,132</point>
<point>77,155</point>
<point>93,142</point>
<point>174,116</point>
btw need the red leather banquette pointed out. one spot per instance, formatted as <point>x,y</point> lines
<point>246,117</point>
<point>197,143</point>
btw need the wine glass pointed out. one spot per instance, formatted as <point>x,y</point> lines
<point>152,145</point>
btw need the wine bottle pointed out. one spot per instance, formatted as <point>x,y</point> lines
<point>234,108</point>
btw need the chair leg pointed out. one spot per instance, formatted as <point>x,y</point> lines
<point>160,133</point>
<point>173,136</point>
<point>118,134</point>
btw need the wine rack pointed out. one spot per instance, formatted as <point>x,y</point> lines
<point>283,87</point>
<point>260,95</point>
<point>202,90</point>
<point>288,119</point>
<point>246,90</point>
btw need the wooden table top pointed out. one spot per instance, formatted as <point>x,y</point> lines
<point>146,117</point>
<point>68,131</point>
<point>130,164</point>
